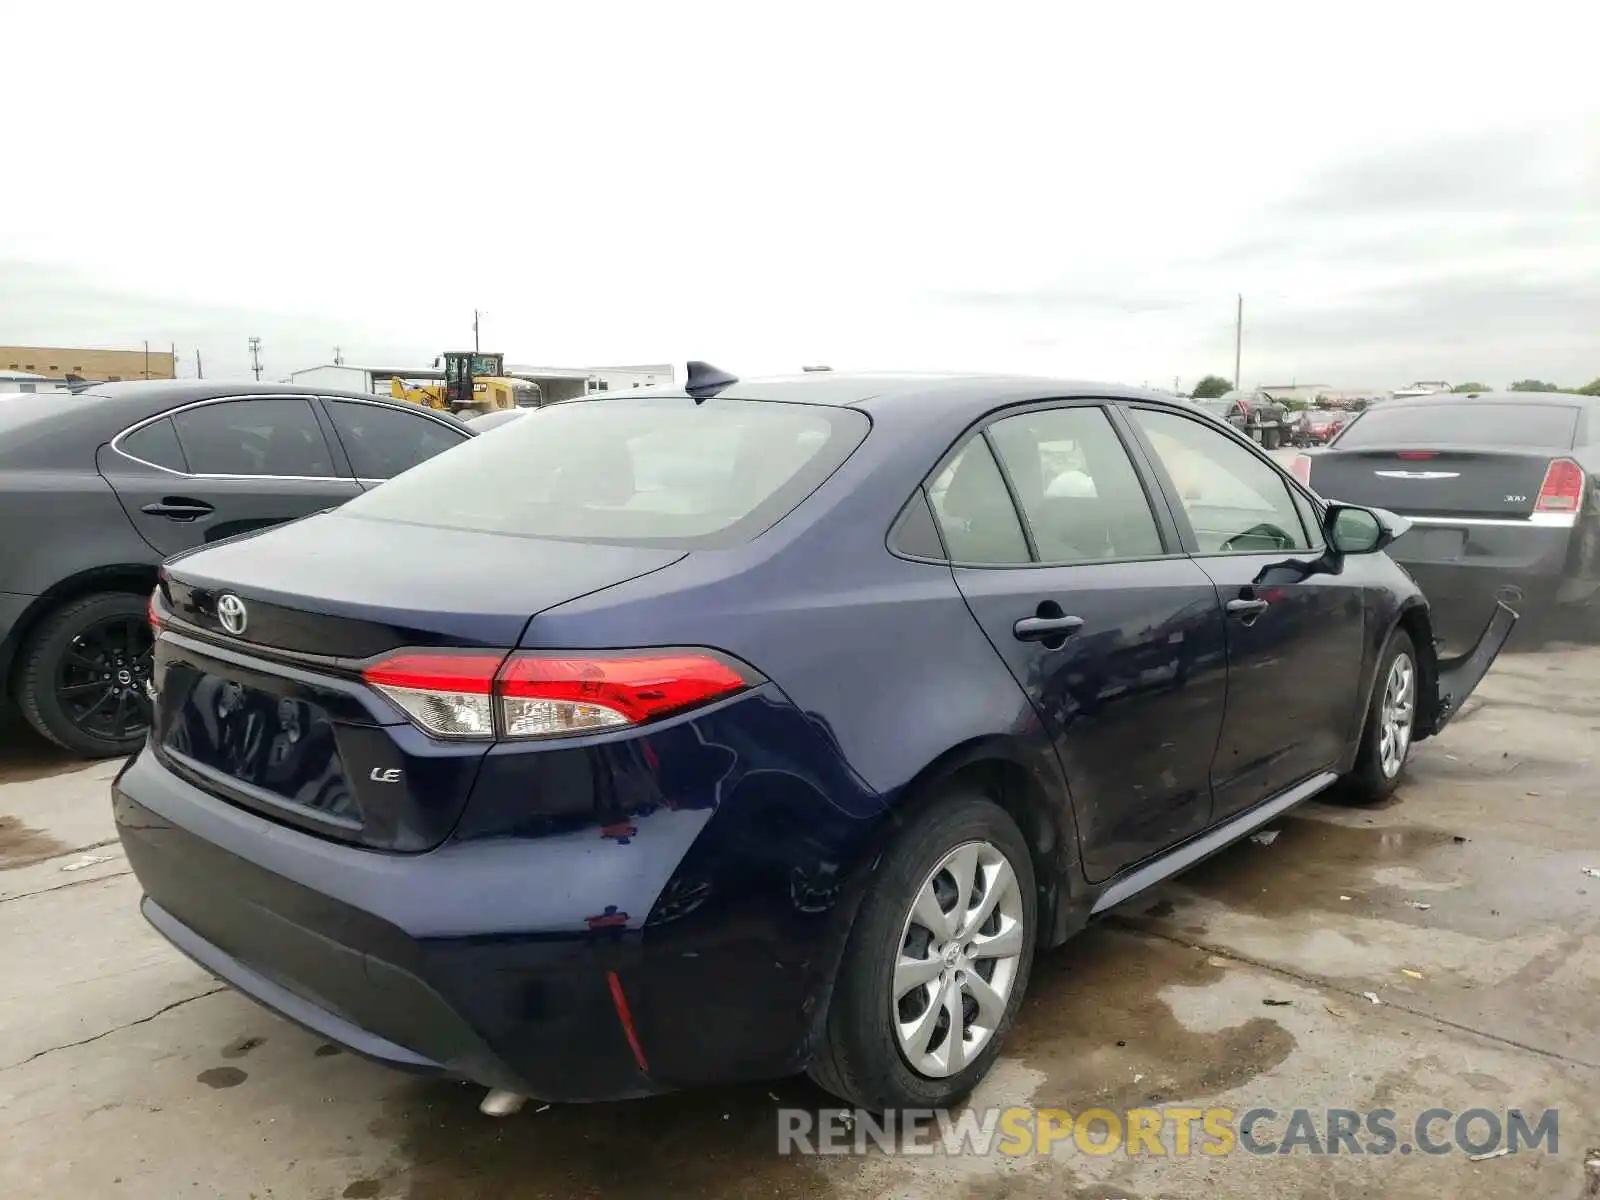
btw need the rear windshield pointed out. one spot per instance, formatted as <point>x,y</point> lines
<point>656,471</point>
<point>1510,424</point>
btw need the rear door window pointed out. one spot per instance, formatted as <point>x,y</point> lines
<point>268,435</point>
<point>1546,426</point>
<point>648,471</point>
<point>383,441</point>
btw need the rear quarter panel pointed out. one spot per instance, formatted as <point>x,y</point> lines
<point>56,526</point>
<point>886,671</point>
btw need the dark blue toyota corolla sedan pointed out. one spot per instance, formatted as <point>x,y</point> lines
<point>723,733</point>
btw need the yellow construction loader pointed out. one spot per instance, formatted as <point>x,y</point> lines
<point>473,383</point>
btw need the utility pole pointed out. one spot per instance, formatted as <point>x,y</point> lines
<point>1175,388</point>
<point>147,358</point>
<point>338,359</point>
<point>1238,343</point>
<point>255,357</point>
<point>199,370</point>
<point>474,331</point>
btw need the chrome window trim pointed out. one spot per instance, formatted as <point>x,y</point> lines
<point>310,397</point>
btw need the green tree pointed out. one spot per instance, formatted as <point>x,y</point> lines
<point>1461,389</point>
<point>1592,388</point>
<point>1211,387</point>
<point>1533,385</point>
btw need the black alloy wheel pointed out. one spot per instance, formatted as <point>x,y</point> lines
<point>85,674</point>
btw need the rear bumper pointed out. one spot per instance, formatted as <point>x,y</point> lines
<point>1465,568</point>
<point>709,870</point>
<point>327,936</point>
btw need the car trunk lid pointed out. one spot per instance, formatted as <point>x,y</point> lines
<point>260,699</point>
<point>1455,481</point>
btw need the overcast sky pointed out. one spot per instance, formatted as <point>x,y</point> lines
<point>1051,188</point>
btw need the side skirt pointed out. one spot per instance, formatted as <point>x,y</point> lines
<point>1184,856</point>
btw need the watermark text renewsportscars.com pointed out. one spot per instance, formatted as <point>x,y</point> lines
<point>1170,1130</point>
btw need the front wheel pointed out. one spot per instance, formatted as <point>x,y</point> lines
<point>83,676</point>
<point>1391,723</point>
<point>936,964</point>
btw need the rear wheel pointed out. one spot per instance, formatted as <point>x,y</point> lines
<point>83,675</point>
<point>1391,722</point>
<point>937,962</point>
<point>1271,438</point>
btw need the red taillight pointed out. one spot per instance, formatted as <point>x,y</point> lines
<point>153,613</point>
<point>1301,468</point>
<point>467,673</point>
<point>1417,455</point>
<point>482,695</point>
<point>546,695</point>
<point>1562,489</point>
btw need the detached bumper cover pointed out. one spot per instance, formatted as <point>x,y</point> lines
<point>1458,677</point>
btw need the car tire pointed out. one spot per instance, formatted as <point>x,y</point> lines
<point>870,1054</point>
<point>1271,439</point>
<point>101,628</point>
<point>1389,725</point>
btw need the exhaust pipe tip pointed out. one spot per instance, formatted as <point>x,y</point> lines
<point>501,1103</point>
<point>1509,594</point>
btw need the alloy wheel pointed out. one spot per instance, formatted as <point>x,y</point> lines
<point>100,680</point>
<point>957,961</point>
<point>1395,715</point>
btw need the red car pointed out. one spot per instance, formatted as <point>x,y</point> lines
<point>1316,427</point>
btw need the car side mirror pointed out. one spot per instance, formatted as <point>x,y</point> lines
<point>1352,529</point>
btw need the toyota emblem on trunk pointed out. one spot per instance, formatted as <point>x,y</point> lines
<point>231,612</point>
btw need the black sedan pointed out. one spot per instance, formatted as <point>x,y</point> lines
<point>99,486</point>
<point>1501,491</point>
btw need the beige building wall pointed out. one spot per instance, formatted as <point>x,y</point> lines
<point>58,361</point>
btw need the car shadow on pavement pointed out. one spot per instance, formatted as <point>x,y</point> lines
<point>25,756</point>
<point>713,1142</point>
<point>1094,1030</point>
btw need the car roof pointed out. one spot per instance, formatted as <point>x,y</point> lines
<point>184,391</point>
<point>932,394</point>
<point>42,427</point>
<point>1436,399</point>
<point>136,399</point>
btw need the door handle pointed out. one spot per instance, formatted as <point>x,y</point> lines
<point>1044,629</point>
<point>1248,610</point>
<point>178,509</point>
